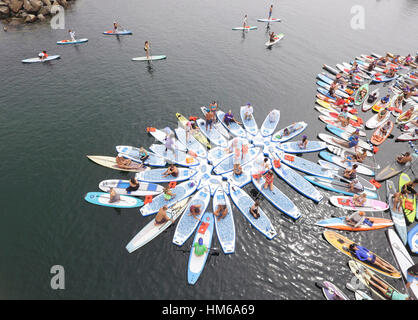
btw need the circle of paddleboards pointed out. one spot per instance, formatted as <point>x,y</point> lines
<point>102,199</point>
<point>246,28</point>
<point>268,20</point>
<point>277,38</point>
<point>36,60</point>
<point>119,33</point>
<point>72,42</point>
<point>151,58</point>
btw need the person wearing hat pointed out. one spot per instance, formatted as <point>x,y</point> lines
<point>302,144</point>
<point>248,112</point>
<point>199,248</point>
<point>355,219</point>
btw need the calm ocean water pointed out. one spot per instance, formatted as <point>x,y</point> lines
<point>95,97</point>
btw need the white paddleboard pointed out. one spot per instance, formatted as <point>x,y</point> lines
<point>151,58</point>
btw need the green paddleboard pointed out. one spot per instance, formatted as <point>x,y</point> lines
<point>357,99</point>
<point>409,214</point>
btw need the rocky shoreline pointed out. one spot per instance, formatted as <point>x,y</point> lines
<point>15,12</point>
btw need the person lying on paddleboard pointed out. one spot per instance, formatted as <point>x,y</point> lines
<point>355,186</point>
<point>365,255</point>
<point>199,248</point>
<point>195,210</point>
<point>292,128</point>
<point>302,144</point>
<point>114,196</point>
<point>363,93</point>
<point>162,216</point>
<point>404,158</point>
<point>248,112</point>
<point>254,209</point>
<point>359,200</point>
<point>171,170</point>
<point>384,130</point>
<point>123,163</point>
<point>221,211</point>
<point>355,219</point>
<point>371,66</point>
<point>352,142</point>
<point>133,185</point>
<point>387,291</point>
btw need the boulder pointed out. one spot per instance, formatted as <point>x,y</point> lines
<point>41,17</point>
<point>36,4</point>
<point>62,3</point>
<point>47,3</point>
<point>46,11</point>
<point>16,5</point>
<point>30,18</point>
<point>16,21</point>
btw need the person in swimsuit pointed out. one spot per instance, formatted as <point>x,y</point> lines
<point>343,117</point>
<point>384,130</point>
<point>409,187</point>
<point>302,144</point>
<point>352,142</point>
<point>72,35</point>
<point>133,185</point>
<point>113,196</point>
<point>254,209</point>
<point>143,154</point>
<point>169,143</point>
<point>147,48</point>
<point>365,255</point>
<point>397,200</point>
<point>123,163</point>
<point>386,290</point>
<point>209,117</point>
<point>248,112</point>
<point>404,158</point>
<point>359,200</point>
<point>351,173</point>
<point>162,216</point>
<point>221,211</point>
<point>168,194</point>
<point>270,11</point>
<point>269,179</point>
<point>171,170</point>
<point>195,210</point>
<point>244,24</point>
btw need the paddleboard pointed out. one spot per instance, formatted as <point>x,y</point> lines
<point>181,192</point>
<point>178,157</point>
<point>268,20</point>
<point>197,263</point>
<point>330,291</point>
<point>377,139</point>
<point>151,230</point>
<point>161,136</point>
<point>244,202</point>
<point>397,216</point>
<point>151,58</point>
<point>409,213</point>
<point>408,136</point>
<point>294,130</point>
<point>246,28</point>
<point>336,142</point>
<point>304,165</point>
<point>345,135</point>
<point>156,175</point>
<point>227,164</point>
<point>192,145</point>
<point>339,161</point>
<point>393,169</point>
<point>332,122</point>
<point>358,100</point>
<point>77,41</point>
<point>345,202</point>
<point>144,189</point>
<point>368,105</point>
<point>102,199</point>
<point>196,132</point>
<point>212,134</point>
<point>270,123</point>
<point>110,162</point>
<point>188,223</point>
<point>36,60</point>
<point>119,33</point>
<point>294,147</point>
<point>234,128</point>
<point>340,224</point>
<point>225,227</point>
<point>134,154</point>
<point>249,125</point>
<point>342,243</point>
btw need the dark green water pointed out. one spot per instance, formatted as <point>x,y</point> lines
<point>95,97</point>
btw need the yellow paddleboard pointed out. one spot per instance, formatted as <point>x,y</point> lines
<point>196,134</point>
<point>341,243</point>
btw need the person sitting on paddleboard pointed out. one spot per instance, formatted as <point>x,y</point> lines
<point>372,65</point>
<point>408,59</point>
<point>254,209</point>
<point>209,118</point>
<point>363,93</point>
<point>410,187</point>
<point>269,179</point>
<point>272,116</point>
<point>384,130</point>
<point>351,173</point>
<point>359,200</point>
<point>221,211</point>
<point>113,196</point>
<point>143,154</point>
<point>248,112</point>
<point>382,114</point>
<point>355,219</point>
<point>355,186</point>
<point>199,248</point>
<point>404,158</point>
<point>272,36</point>
<point>195,210</point>
<point>229,118</point>
<point>391,73</point>
<point>354,68</point>
<point>168,194</point>
<point>343,117</point>
<point>162,216</point>
<point>397,200</point>
<point>43,55</point>
<point>365,255</point>
<point>133,185</point>
<point>303,143</point>
<point>237,169</point>
<point>387,291</point>
<point>171,170</point>
<point>372,98</point>
<point>332,88</point>
<point>147,48</point>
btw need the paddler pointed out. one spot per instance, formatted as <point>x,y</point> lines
<point>272,116</point>
<point>410,187</point>
<point>43,55</point>
<point>386,290</point>
<point>269,179</point>
<point>351,173</point>
<point>364,254</point>
<point>372,98</point>
<point>199,248</point>
<point>408,60</point>
<point>72,35</point>
<point>270,11</point>
<point>115,27</point>
<point>355,219</point>
<point>244,24</point>
<point>195,210</point>
<point>248,112</point>
<point>168,194</point>
<point>351,143</point>
<point>391,73</point>
<point>188,129</point>
<point>332,88</point>
<point>162,216</point>
<point>213,107</point>
<point>272,36</point>
<point>384,129</point>
<point>343,117</point>
<point>302,144</point>
<point>113,196</point>
<point>397,200</point>
<point>171,170</point>
<point>229,118</point>
<point>404,158</point>
<point>359,200</point>
<point>143,154</point>
<point>209,119</point>
<point>254,209</point>
<point>363,93</point>
<point>147,48</point>
<point>371,65</point>
<point>221,211</point>
<point>133,185</point>
<point>355,186</point>
<point>169,143</point>
<point>382,114</point>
